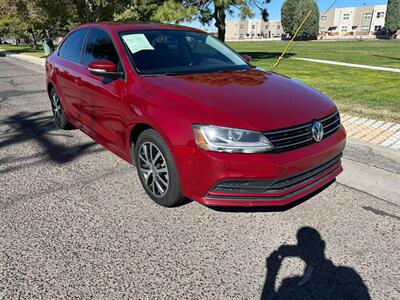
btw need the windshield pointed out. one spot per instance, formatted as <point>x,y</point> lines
<point>179,52</point>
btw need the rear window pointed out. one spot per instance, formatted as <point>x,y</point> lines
<point>71,48</point>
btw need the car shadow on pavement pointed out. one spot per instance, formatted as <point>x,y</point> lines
<point>321,279</point>
<point>266,209</point>
<point>38,127</point>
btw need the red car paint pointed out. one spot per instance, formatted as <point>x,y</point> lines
<point>252,99</point>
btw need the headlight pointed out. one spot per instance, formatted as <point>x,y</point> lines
<point>232,140</point>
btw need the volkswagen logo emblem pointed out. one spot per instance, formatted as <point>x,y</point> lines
<point>317,131</point>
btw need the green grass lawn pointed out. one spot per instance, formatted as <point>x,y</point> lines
<point>367,93</point>
<point>377,53</point>
<point>24,49</point>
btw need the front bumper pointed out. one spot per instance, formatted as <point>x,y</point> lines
<point>288,176</point>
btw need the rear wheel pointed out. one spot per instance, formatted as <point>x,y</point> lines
<point>58,111</point>
<point>157,169</point>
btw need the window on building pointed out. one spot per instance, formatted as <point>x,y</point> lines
<point>241,27</point>
<point>253,26</point>
<point>365,29</point>
<point>241,36</point>
<point>380,14</point>
<point>279,27</point>
<point>266,26</point>
<point>324,18</point>
<point>346,16</point>
<point>344,29</point>
<point>377,28</point>
<point>367,16</point>
<point>322,29</point>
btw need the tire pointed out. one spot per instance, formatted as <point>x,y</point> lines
<point>58,111</point>
<point>157,169</point>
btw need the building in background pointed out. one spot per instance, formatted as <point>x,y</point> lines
<point>351,21</point>
<point>345,21</point>
<point>252,29</point>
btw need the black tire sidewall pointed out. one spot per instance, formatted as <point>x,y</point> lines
<point>173,195</point>
<point>63,122</point>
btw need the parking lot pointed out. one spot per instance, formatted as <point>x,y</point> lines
<point>76,223</point>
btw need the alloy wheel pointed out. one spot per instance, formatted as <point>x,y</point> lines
<point>57,108</point>
<point>153,167</point>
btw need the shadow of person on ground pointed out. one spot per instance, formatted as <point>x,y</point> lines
<point>322,279</point>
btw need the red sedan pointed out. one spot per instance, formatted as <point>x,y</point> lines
<point>195,118</point>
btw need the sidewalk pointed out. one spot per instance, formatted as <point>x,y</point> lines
<point>343,64</point>
<point>382,133</point>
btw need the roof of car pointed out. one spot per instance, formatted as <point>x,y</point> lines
<point>114,26</point>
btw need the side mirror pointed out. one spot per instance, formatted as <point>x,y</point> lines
<point>104,68</point>
<point>247,58</point>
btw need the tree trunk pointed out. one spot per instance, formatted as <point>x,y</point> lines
<point>32,39</point>
<point>46,32</point>
<point>219,16</point>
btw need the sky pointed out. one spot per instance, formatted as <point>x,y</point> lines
<point>274,9</point>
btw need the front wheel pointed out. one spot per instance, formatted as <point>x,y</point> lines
<point>58,111</point>
<point>157,169</point>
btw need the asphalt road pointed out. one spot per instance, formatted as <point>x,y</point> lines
<point>75,223</point>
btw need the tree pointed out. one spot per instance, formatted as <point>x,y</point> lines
<point>11,23</point>
<point>86,11</point>
<point>292,14</point>
<point>287,12</point>
<point>28,18</point>
<point>13,28</point>
<point>208,10</point>
<point>392,21</point>
<point>139,11</point>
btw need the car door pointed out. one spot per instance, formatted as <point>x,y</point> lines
<point>68,72</point>
<point>102,97</point>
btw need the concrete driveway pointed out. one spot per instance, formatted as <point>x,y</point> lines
<point>75,223</point>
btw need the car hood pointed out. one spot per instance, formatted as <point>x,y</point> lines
<point>252,99</point>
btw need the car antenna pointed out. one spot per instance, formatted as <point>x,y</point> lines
<point>280,58</point>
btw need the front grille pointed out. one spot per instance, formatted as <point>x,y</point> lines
<point>300,136</point>
<point>276,186</point>
<point>292,182</point>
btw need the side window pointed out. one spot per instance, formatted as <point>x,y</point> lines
<point>100,47</point>
<point>72,47</point>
